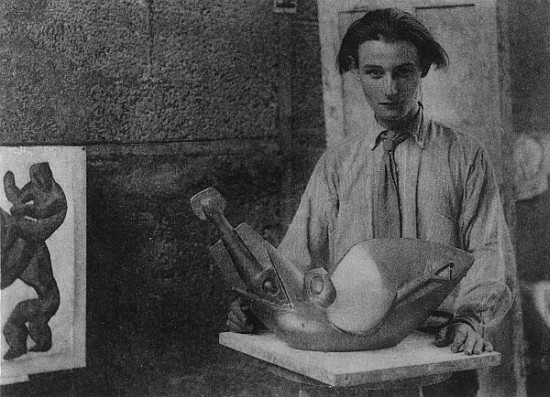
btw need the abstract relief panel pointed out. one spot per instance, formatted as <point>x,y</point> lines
<point>43,260</point>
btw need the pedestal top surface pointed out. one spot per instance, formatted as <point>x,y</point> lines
<point>415,356</point>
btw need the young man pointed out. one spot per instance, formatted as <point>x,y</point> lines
<point>406,176</point>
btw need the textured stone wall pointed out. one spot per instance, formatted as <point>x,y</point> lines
<point>138,70</point>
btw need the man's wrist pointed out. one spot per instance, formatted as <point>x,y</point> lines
<point>468,320</point>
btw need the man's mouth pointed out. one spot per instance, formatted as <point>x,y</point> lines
<point>392,104</point>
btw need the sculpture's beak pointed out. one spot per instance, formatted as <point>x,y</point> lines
<point>245,248</point>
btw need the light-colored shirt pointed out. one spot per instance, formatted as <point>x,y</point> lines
<point>448,195</point>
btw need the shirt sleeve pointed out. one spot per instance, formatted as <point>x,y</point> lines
<point>306,243</point>
<point>487,291</point>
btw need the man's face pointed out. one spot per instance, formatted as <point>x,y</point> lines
<point>390,76</point>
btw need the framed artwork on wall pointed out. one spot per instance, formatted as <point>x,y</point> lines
<point>43,260</point>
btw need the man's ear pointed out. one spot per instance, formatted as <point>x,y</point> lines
<point>353,67</point>
<point>352,64</point>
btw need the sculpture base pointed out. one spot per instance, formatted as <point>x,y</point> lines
<point>416,357</point>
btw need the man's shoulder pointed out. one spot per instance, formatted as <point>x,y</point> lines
<point>441,133</point>
<point>348,147</point>
<point>346,155</point>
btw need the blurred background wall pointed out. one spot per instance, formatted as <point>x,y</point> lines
<point>529,37</point>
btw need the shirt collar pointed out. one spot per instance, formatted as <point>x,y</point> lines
<point>417,129</point>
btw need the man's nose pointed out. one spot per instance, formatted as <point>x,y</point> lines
<point>390,85</point>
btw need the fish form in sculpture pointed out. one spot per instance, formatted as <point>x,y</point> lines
<point>379,292</point>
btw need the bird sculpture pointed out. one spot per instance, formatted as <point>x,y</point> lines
<point>379,292</point>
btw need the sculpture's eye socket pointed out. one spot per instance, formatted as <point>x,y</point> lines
<point>269,286</point>
<point>316,285</point>
<point>319,287</point>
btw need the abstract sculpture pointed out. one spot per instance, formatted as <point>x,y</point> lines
<point>39,209</point>
<point>381,290</point>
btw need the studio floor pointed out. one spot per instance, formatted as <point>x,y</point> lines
<point>205,369</point>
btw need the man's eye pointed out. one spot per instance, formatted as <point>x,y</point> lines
<point>375,74</point>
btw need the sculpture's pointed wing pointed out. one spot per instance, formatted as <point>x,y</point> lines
<point>370,276</point>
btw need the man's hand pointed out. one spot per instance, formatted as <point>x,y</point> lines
<point>462,337</point>
<point>237,320</point>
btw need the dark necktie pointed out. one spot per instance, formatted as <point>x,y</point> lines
<point>388,211</point>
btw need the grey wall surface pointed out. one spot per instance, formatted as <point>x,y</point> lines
<point>103,71</point>
<point>530,65</point>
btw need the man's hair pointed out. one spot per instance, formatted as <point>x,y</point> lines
<point>391,25</point>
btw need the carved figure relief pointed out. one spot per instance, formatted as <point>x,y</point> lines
<point>38,210</point>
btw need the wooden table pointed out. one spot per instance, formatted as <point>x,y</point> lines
<point>414,363</point>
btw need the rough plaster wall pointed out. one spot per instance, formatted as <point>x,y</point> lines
<point>40,96</point>
<point>307,91</point>
<point>137,70</point>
